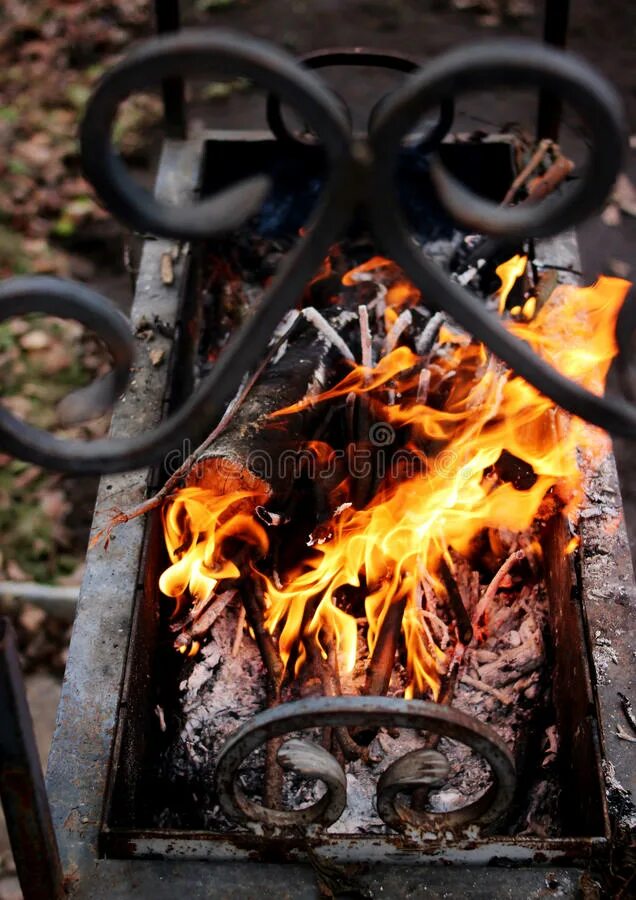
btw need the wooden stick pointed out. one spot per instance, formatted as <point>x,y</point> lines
<point>121,517</point>
<point>403,321</point>
<point>489,594</point>
<point>240,625</point>
<point>366,344</point>
<point>528,169</point>
<point>462,621</point>
<point>424,343</point>
<point>380,666</point>
<point>322,325</point>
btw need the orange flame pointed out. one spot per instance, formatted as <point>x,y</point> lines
<point>198,523</point>
<point>509,272</point>
<point>443,493</point>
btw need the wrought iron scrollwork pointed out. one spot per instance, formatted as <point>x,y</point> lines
<point>360,172</point>
<point>412,771</point>
<point>366,57</point>
<point>68,300</point>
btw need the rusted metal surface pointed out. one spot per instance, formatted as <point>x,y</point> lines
<point>572,691</point>
<point>608,594</point>
<point>83,741</point>
<point>163,880</point>
<point>392,850</point>
<point>22,790</point>
<point>610,601</point>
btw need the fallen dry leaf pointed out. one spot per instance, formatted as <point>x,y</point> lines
<point>156,356</point>
<point>167,269</point>
<point>54,504</point>
<point>15,571</point>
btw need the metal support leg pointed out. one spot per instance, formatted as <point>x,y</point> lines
<point>555,30</point>
<point>168,19</point>
<point>22,790</point>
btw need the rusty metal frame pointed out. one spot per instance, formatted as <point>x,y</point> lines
<point>22,790</point>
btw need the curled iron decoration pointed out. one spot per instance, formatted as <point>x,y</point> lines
<point>152,61</point>
<point>360,172</point>
<point>365,57</point>
<point>414,770</point>
<point>363,174</point>
<point>68,300</point>
<point>199,53</point>
<point>513,63</point>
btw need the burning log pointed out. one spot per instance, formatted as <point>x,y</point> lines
<point>462,414</point>
<point>261,454</point>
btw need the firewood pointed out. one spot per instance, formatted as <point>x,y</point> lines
<point>260,453</point>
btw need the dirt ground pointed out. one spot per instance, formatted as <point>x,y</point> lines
<point>602,32</point>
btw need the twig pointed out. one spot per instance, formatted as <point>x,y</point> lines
<point>423,386</point>
<point>628,710</point>
<point>209,617</point>
<point>424,343</point>
<point>501,696</point>
<point>121,517</point>
<point>202,622</point>
<point>403,321</point>
<point>489,594</point>
<point>264,640</point>
<point>327,672</point>
<point>274,667</point>
<point>383,656</point>
<point>238,639</point>
<point>366,344</point>
<point>322,325</point>
<point>462,621</point>
<point>528,169</point>
<point>624,735</point>
<point>550,180</point>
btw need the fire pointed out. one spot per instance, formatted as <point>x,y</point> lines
<point>199,525</point>
<point>440,487</point>
<point>508,273</point>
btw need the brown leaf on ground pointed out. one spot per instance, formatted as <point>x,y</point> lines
<point>15,571</point>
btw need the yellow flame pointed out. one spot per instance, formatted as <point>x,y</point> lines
<point>508,273</point>
<point>444,494</point>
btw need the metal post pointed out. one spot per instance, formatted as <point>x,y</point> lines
<point>168,19</point>
<point>22,789</point>
<point>555,30</point>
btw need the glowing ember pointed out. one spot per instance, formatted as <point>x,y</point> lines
<point>440,487</point>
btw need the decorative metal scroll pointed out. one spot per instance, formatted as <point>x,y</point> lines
<point>415,770</point>
<point>361,172</point>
